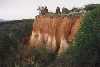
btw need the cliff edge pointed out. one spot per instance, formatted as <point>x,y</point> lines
<point>54,32</point>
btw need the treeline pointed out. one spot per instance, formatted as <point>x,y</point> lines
<point>75,11</point>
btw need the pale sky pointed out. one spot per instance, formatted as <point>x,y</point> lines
<point>24,9</point>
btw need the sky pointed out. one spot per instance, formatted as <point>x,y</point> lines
<point>25,9</point>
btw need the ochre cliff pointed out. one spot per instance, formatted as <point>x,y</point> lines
<point>54,32</point>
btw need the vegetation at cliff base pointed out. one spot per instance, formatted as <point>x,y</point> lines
<point>14,50</point>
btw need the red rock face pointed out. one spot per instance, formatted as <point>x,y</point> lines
<point>54,32</point>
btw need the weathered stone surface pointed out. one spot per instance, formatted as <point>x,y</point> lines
<point>54,32</point>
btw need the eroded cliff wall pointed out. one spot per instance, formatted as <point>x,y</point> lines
<point>54,32</point>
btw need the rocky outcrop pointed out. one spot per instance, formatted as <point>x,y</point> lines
<point>54,32</point>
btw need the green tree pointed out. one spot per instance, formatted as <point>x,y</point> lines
<point>91,6</point>
<point>65,10</point>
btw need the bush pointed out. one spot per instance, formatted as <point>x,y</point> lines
<point>91,6</point>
